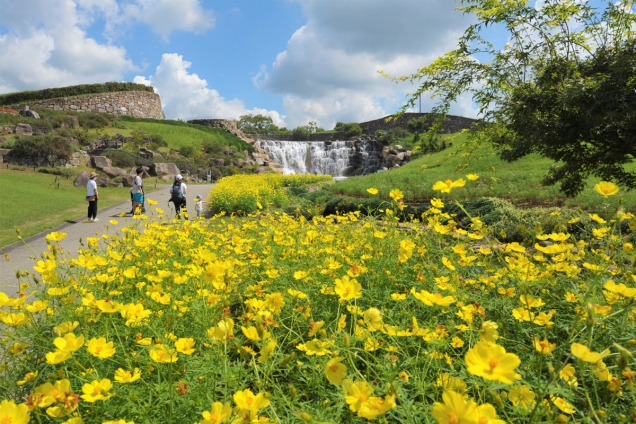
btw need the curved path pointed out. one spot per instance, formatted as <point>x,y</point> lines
<point>22,257</point>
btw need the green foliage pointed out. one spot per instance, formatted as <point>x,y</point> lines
<point>301,133</point>
<point>563,87</point>
<point>92,120</point>
<point>61,171</point>
<point>187,151</point>
<point>349,129</point>
<point>212,147</point>
<point>71,91</point>
<point>53,147</point>
<point>257,124</point>
<point>121,158</point>
<point>419,125</point>
<point>178,133</point>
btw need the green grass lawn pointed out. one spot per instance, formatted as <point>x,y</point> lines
<point>32,202</point>
<point>518,182</point>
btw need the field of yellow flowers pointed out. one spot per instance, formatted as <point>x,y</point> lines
<point>267,318</point>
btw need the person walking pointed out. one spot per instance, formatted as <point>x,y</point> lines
<point>137,191</point>
<point>178,190</point>
<point>92,196</point>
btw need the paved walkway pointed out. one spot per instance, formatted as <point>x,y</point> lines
<point>23,257</point>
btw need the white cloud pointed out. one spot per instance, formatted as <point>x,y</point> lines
<point>165,16</point>
<point>328,71</point>
<point>184,95</point>
<point>46,46</point>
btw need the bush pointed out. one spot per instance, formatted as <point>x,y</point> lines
<point>53,147</point>
<point>301,133</point>
<point>71,91</point>
<point>351,130</point>
<point>61,171</point>
<point>94,120</point>
<point>187,151</point>
<point>122,159</point>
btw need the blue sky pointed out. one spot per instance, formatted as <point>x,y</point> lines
<point>294,60</point>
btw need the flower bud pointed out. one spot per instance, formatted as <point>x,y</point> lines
<point>562,418</point>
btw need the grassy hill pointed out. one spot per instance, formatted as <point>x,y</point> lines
<point>519,182</point>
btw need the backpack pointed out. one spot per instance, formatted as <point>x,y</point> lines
<point>176,191</point>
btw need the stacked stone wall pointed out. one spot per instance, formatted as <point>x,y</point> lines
<point>140,104</point>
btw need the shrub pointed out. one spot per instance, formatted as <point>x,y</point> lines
<point>93,120</point>
<point>301,133</point>
<point>187,151</point>
<point>122,159</point>
<point>351,129</point>
<point>53,147</point>
<point>158,141</point>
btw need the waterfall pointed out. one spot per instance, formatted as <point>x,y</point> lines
<point>310,157</point>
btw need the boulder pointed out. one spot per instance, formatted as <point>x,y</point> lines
<point>100,162</point>
<point>72,121</point>
<point>217,162</point>
<point>102,181</point>
<point>23,129</point>
<point>82,179</point>
<point>2,139</point>
<point>401,156</point>
<point>128,181</point>
<point>166,168</point>
<point>114,172</point>
<point>398,147</point>
<point>259,161</point>
<point>240,163</point>
<point>30,114</point>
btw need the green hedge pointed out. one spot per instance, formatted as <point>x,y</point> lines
<point>71,91</point>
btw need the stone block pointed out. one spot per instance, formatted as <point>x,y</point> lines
<point>100,162</point>
<point>23,129</point>
<point>114,172</point>
<point>166,168</point>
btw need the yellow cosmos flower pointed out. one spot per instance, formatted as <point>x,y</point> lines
<point>375,406</point>
<point>125,376</point>
<point>586,355</point>
<point>97,390</point>
<point>487,413</point>
<point>246,400</point>
<point>521,396</point>
<point>15,320</point>
<point>251,333</point>
<point>455,409</point>
<point>606,188</point>
<point>12,413</point>
<point>335,370</point>
<point>69,343</point>
<point>163,354</point>
<point>56,236</point>
<point>621,289</point>
<point>396,194</point>
<point>568,374</point>
<point>152,202</point>
<point>492,362</point>
<point>448,185</point>
<point>372,191</point>
<point>544,347</point>
<point>472,177</point>
<point>299,275</point>
<point>356,393</point>
<point>218,413</point>
<point>185,345</point>
<point>562,404</point>
<point>430,299</point>
<point>99,348</point>
<point>488,332</point>
<point>315,347</point>
<point>348,288</point>
<point>57,357</point>
<point>105,422</point>
<point>437,203</point>
<point>398,296</point>
<point>266,351</point>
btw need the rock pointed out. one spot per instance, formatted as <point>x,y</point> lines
<point>102,181</point>
<point>82,179</point>
<point>217,162</point>
<point>114,172</point>
<point>166,168</point>
<point>100,162</point>
<point>259,161</point>
<point>2,139</point>
<point>166,178</point>
<point>23,129</point>
<point>401,156</point>
<point>128,181</point>
<point>30,114</point>
<point>398,147</point>
<point>240,163</point>
<point>393,152</point>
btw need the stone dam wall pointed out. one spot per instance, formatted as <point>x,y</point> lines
<point>140,104</point>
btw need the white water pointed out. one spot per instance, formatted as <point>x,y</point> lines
<point>309,157</point>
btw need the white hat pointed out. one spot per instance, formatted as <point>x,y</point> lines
<point>178,177</point>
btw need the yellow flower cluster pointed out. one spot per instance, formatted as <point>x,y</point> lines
<point>338,319</point>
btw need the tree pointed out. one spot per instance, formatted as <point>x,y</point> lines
<point>257,124</point>
<point>563,87</point>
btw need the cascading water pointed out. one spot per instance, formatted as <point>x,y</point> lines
<point>310,157</point>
